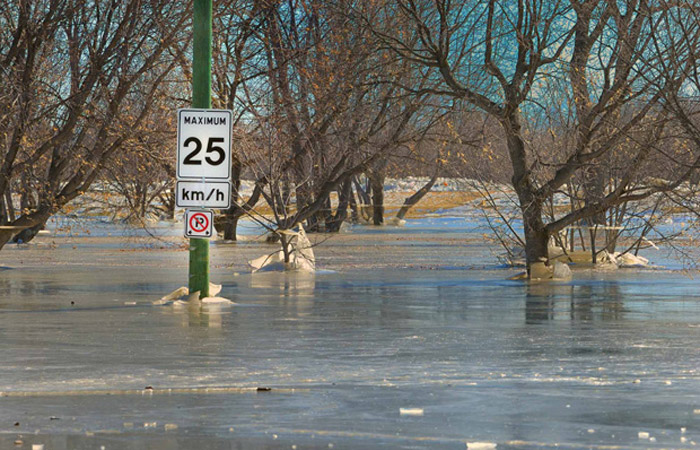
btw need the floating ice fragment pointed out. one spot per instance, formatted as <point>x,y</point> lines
<point>668,382</point>
<point>37,446</point>
<point>683,429</point>
<point>591,430</point>
<point>696,411</point>
<point>214,289</point>
<point>128,425</point>
<point>643,435</point>
<point>652,439</point>
<point>174,295</point>
<point>216,301</point>
<point>481,445</point>
<point>411,411</point>
<point>395,221</point>
<point>684,439</point>
<point>170,427</point>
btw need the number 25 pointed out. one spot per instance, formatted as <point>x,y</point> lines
<point>211,148</point>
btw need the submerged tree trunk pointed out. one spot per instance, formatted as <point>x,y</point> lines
<point>344,198</point>
<point>377,184</point>
<point>363,199</point>
<point>228,222</point>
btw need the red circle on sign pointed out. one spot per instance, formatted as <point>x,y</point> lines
<point>199,222</point>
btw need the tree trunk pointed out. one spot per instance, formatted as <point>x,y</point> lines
<point>536,235</point>
<point>35,219</point>
<point>28,234</point>
<point>344,198</point>
<point>415,198</point>
<point>363,199</point>
<point>377,185</point>
<point>228,222</point>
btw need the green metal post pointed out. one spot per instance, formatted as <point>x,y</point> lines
<point>201,98</point>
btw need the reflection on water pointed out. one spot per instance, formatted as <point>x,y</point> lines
<point>588,302</point>
<point>292,290</point>
<point>23,287</point>
<point>488,359</point>
<point>196,315</point>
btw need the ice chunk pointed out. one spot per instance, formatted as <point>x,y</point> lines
<point>214,289</point>
<point>540,271</point>
<point>301,255</point>
<point>411,411</point>
<point>481,445</point>
<point>623,259</point>
<point>174,295</point>
<point>216,301</point>
<point>643,435</point>
<point>630,260</point>
<point>561,271</point>
<point>395,221</point>
<point>170,427</point>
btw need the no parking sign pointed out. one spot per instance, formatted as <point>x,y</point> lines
<point>198,223</point>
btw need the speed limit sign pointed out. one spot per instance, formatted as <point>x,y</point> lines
<point>204,144</point>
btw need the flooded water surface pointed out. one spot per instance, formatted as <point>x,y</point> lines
<point>411,338</point>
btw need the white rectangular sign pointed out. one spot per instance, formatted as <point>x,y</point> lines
<point>198,223</point>
<point>204,144</point>
<point>212,194</point>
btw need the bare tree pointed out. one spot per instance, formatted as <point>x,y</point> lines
<point>498,55</point>
<point>79,79</point>
<point>323,113</point>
